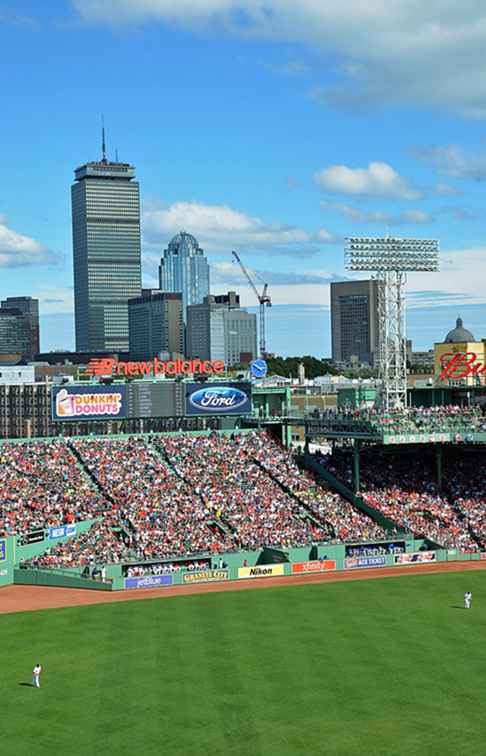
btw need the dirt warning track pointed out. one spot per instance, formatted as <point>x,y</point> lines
<point>26,598</point>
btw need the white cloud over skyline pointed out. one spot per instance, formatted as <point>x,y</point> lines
<point>18,250</point>
<point>379,217</point>
<point>221,227</point>
<point>377,180</point>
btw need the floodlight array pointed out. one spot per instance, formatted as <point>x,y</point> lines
<point>391,254</point>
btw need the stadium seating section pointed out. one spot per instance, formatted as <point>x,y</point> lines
<point>170,496</point>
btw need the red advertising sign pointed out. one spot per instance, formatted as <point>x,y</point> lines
<point>461,365</point>
<point>323,565</point>
<point>103,366</point>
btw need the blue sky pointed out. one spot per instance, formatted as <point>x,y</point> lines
<point>275,128</point>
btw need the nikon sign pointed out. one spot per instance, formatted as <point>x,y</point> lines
<point>261,570</point>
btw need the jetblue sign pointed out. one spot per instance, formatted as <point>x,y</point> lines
<point>218,399</point>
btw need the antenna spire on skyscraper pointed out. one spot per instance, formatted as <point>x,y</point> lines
<point>103,143</point>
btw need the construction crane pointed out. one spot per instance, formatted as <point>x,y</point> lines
<point>263,300</point>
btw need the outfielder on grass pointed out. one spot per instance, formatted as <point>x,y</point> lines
<point>467,600</point>
<point>36,673</point>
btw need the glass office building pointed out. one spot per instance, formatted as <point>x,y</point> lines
<point>184,268</point>
<point>355,322</point>
<point>15,334</point>
<point>29,308</point>
<point>107,255</point>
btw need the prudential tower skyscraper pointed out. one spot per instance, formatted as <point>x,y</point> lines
<point>106,250</point>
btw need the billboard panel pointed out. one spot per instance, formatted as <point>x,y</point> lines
<point>151,581</point>
<point>218,398</point>
<point>262,570</point>
<point>89,402</point>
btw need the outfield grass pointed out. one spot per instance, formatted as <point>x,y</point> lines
<point>384,667</point>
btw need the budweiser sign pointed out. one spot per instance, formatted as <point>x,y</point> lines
<point>108,366</point>
<point>455,366</point>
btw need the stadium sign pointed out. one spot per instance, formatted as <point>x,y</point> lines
<point>322,565</point>
<point>261,570</point>
<point>150,581</point>
<point>460,365</point>
<point>371,561</point>
<point>218,399</point>
<point>106,366</point>
<point>205,576</point>
<point>3,551</point>
<point>88,403</point>
<point>418,557</point>
<point>61,531</point>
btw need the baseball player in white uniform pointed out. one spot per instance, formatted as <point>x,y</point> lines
<point>467,600</point>
<point>36,673</point>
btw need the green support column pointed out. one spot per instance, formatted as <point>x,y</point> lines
<point>438,457</point>
<point>306,443</point>
<point>356,450</point>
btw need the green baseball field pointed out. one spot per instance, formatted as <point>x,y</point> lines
<point>382,667</point>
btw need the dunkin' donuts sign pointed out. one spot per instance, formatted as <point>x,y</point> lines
<point>90,403</point>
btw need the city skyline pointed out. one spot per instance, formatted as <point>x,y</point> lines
<point>270,140</point>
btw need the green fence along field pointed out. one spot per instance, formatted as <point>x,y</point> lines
<point>382,667</point>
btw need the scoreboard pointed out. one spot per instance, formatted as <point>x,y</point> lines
<point>155,399</point>
<point>143,399</point>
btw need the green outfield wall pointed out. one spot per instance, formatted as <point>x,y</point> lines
<point>7,560</point>
<point>59,579</point>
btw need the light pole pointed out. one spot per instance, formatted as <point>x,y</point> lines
<point>389,259</point>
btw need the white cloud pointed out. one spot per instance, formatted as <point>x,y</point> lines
<point>379,217</point>
<point>460,279</point>
<point>452,160</point>
<point>399,51</point>
<point>446,189</point>
<point>220,227</point>
<point>377,180</point>
<point>17,250</point>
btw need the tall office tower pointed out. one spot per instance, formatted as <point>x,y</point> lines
<point>354,322</point>
<point>15,335</point>
<point>218,330</point>
<point>107,257</point>
<point>155,324</point>
<point>184,268</point>
<point>29,308</point>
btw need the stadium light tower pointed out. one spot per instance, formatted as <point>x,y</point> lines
<point>389,259</point>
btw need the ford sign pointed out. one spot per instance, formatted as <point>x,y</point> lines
<point>217,399</point>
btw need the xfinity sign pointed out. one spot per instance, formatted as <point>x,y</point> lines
<point>218,399</point>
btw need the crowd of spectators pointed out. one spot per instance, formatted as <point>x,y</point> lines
<point>339,518</point>
<point>42,485</point>
<point>410,420</point>
<point>186,495</point>
<point>465,485</point>
<point>238,493</point>
<point>403,488</point>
